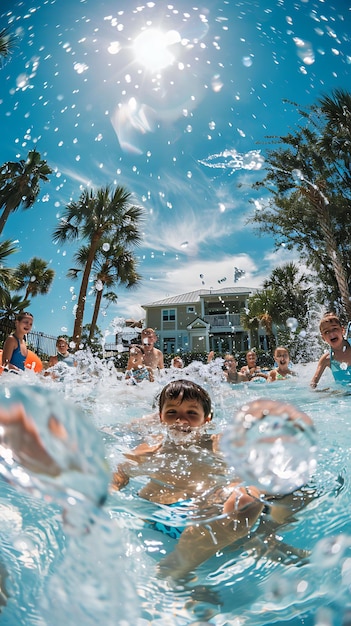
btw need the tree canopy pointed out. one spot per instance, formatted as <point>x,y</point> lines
<point>98,215</point>
<point>308,208</point>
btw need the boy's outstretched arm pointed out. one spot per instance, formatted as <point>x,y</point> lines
<point>198,543</point>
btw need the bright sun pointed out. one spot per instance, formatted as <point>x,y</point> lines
<point>151,48</point>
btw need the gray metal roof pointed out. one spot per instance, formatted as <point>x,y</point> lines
<point>192,297</point>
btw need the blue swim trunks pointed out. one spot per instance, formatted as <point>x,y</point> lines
<point>181,509</point>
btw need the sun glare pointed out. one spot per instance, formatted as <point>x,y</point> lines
<point>151,48</point>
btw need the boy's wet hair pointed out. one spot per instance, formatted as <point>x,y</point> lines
<point>185,390</point>
<point>136,347</point>
<point>329,318</point>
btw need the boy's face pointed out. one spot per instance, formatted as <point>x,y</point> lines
<point>136,356</point>
<point>62,345</point>
<point>183,415</point>
<point>148,338</point>
<point>332,333</point>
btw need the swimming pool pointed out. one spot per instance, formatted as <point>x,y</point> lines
<point>74,559</point>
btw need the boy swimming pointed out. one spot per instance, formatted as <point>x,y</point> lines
<point>187,468</point>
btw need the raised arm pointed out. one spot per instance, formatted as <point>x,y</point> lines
<point>323,362</point>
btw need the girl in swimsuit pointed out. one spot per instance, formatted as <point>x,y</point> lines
<point>282,371</point>
<point>339,356</point>
<point>15,350</point>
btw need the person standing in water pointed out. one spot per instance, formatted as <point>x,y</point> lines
<point>153,357</point>
<point>15,349</point>
<point>338,358</point>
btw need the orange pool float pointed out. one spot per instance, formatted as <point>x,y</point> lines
<point>32,362</point>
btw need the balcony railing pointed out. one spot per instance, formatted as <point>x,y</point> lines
<point>225,320</point>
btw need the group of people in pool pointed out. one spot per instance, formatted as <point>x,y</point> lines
<point>203,481</point>
<point>145,359</point>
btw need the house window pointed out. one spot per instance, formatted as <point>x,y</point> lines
<point>168,315</point>
<point>190,309</point>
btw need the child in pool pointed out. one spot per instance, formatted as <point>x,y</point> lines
<point>230,371</point>
<point>185,468</point>
<point>339,356</point>
<point>252,371</point>
<point>282,371</point>
<point>153,357</point>
<point>15,350</point>
<point>62,354</point>
<point>137,371</point>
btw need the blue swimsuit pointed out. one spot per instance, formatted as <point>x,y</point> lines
<point>340,371</point>
<point>18,358</point>
<point>69,359</point>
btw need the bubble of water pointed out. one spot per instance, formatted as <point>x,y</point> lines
<point>65,459</point>
<point>271,445</point>
<point>292,323</point>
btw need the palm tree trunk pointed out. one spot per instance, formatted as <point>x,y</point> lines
<point>318,201</point>
<point>4,216</point>
<point>78,322</point>
<point>95,314</point>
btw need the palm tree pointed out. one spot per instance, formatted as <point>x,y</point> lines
<point>113,265</point>
<point>266,306</point>
<point>310,182</point>
<point>336,138</point>
<point>7,280</point>
<point>12,305</point>
<point>35,277</point>
<point>117,267</point>
<point>96,216</point>
<point>20,184</point>
<point>7,43</point>
<point>294,293</point>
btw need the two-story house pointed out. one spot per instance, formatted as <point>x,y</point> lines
<point>203,320</point>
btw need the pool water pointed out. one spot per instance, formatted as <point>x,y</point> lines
<point>72,558</point>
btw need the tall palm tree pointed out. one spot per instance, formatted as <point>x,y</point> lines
<point>20,184</point>
<point>96,216</point>
<point>117,267</point>
<point>113,265</point>
<point>35,277</point>
<point>7,43</point>
<point>7,280</point>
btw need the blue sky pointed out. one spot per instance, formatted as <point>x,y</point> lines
<point>172,101</point>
